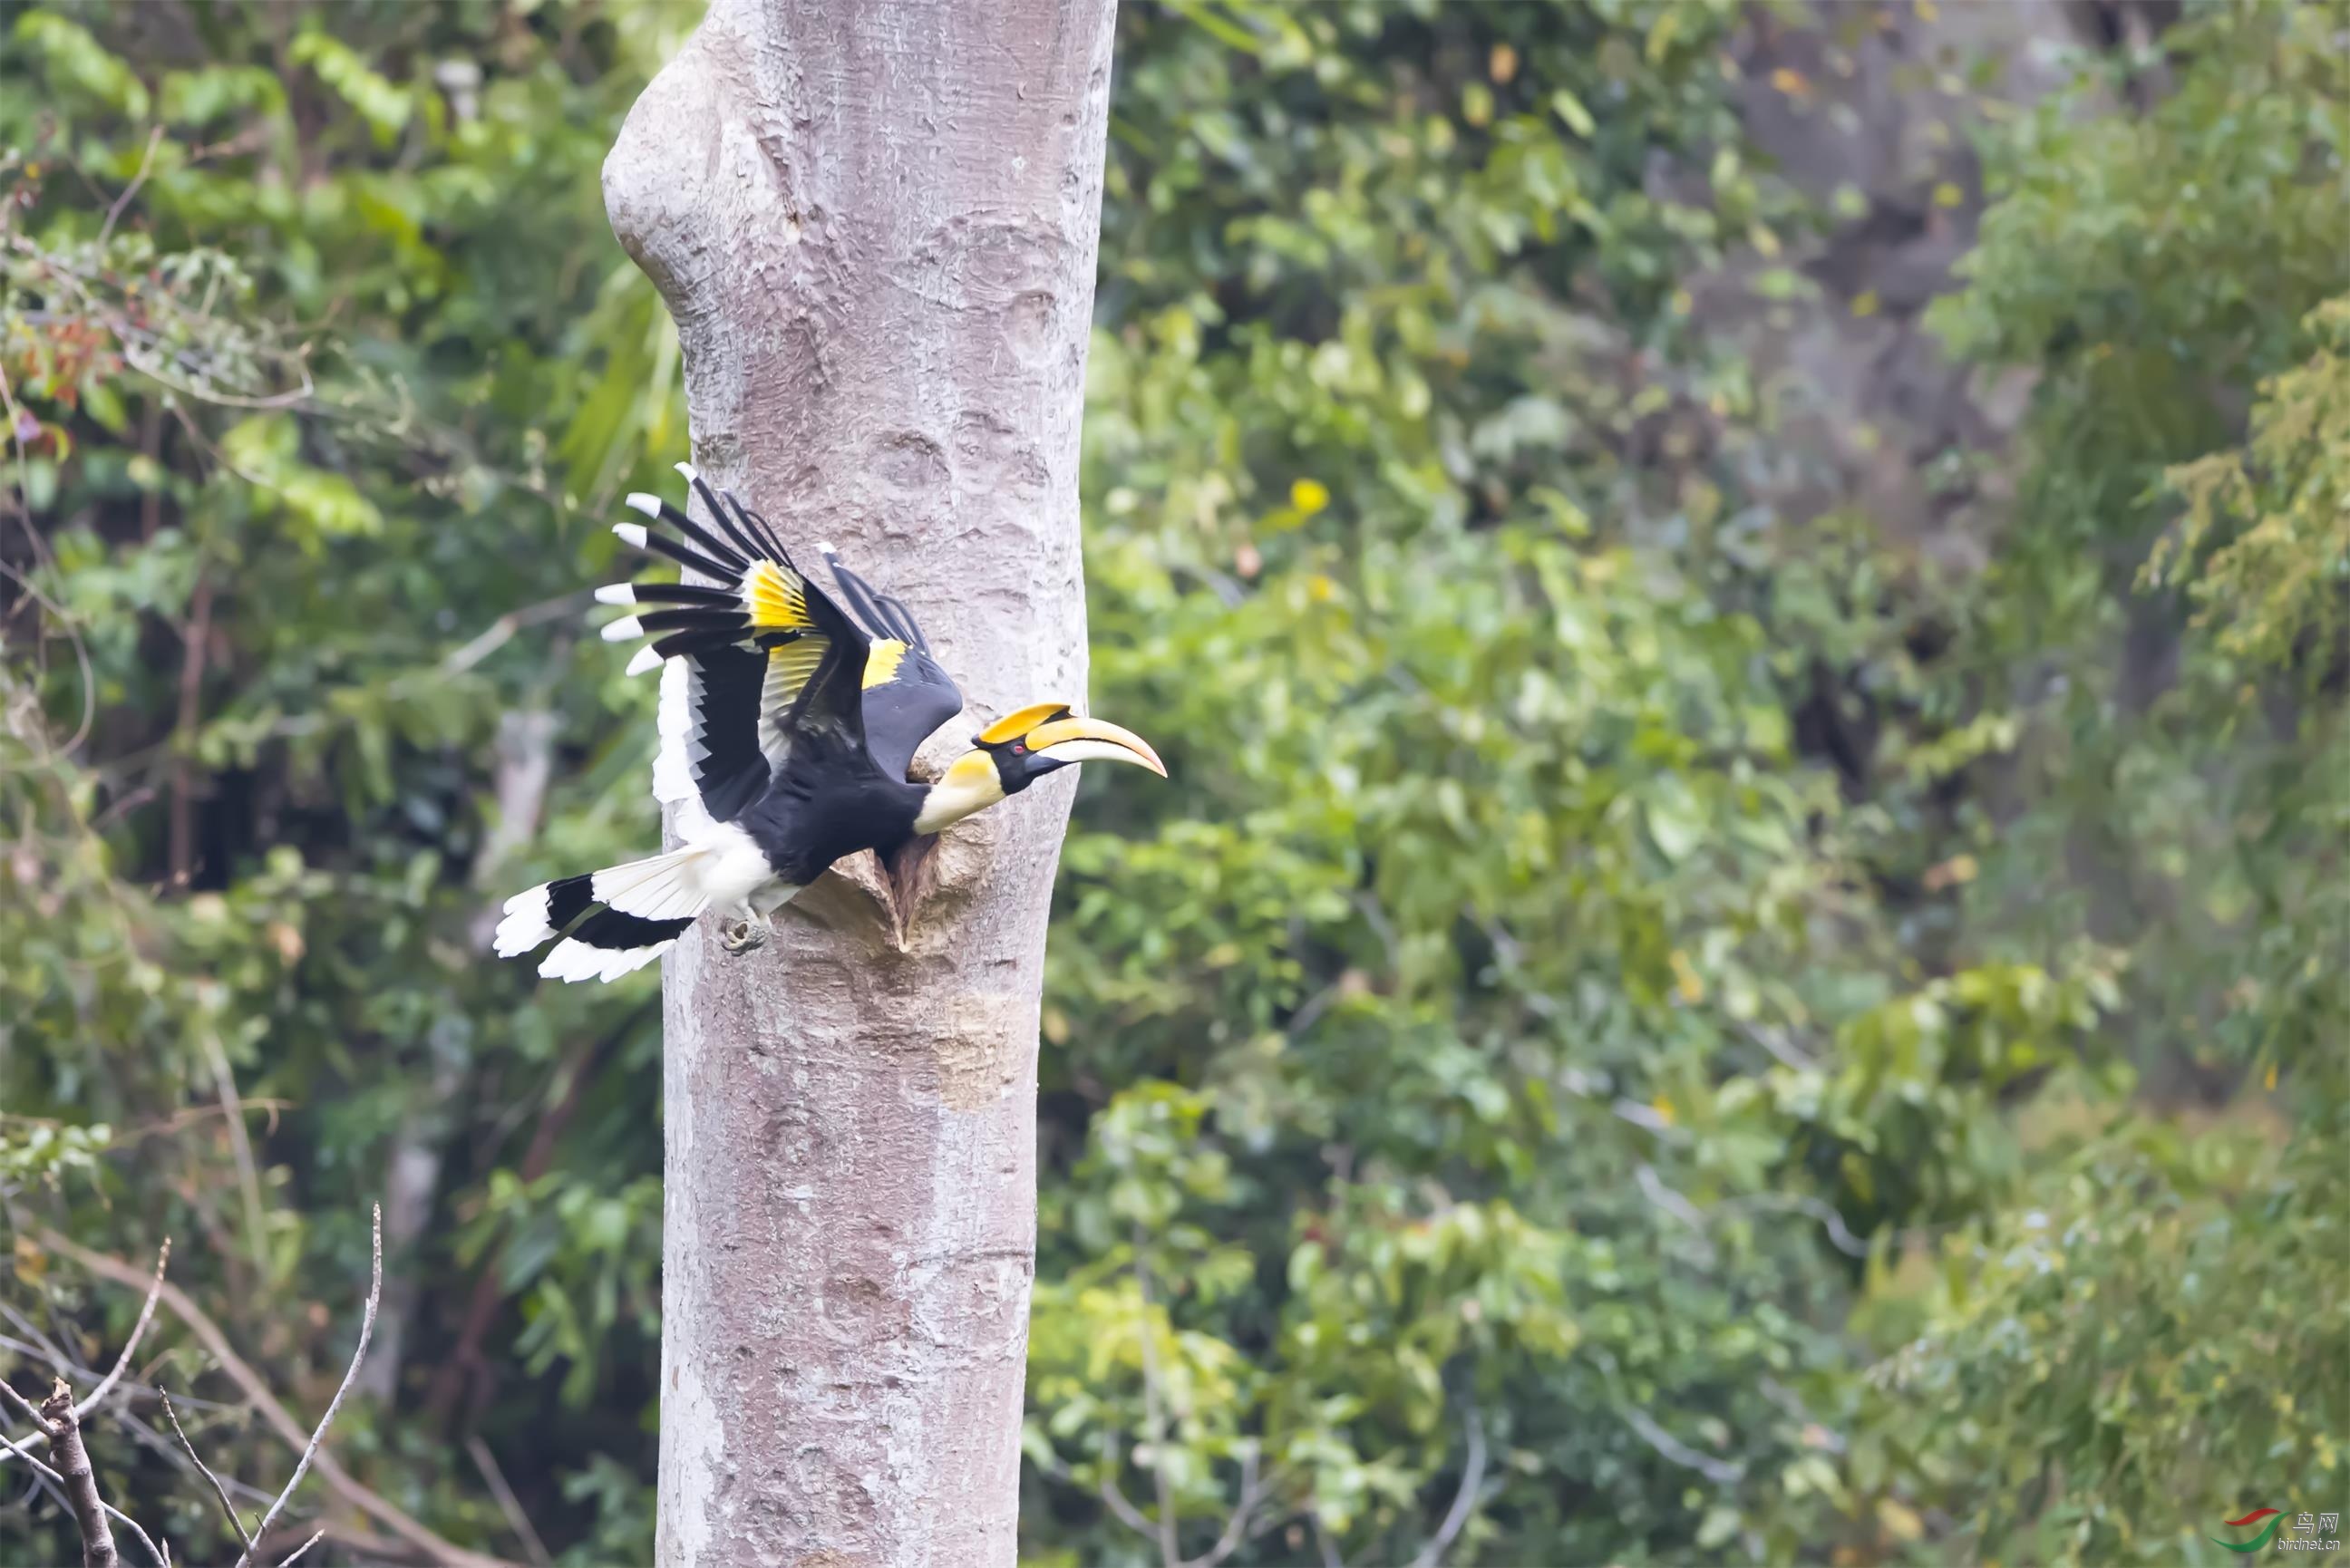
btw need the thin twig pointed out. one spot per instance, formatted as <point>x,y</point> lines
<point>219,1490</point>
<point>1129,1515</point>
<point>318,1435</point>
<point>1839,1233</point>
<point>508,1504</point>
<point>1464,1501</point>
<point>1325,1547</point>
<point>240,1145</point>
<point>1169,1552</point>
<point>52,1482</point>
<point>257,1390</point>
<point>20,1448</point>
<point>1235,1529</point>
<point>1722,1472</point>
<point>301,1549</point>
<point>155,137</point>
<point>32,1411</point>
<point>121,1363</point>
<point>181,834</point>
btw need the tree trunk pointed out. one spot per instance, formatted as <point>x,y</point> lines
<point>876,226</point>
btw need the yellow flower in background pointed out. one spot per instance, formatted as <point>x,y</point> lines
<point>1309,495</point>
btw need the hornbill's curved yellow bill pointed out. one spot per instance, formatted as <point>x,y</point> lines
<point>788,726</point>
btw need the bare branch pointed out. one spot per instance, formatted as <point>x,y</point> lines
<point>257,1390</point>
<point>1235,1528</point>
<point>1464,1501</point>
<point>50,1481</point>
<point>301,1549</point>
<point>508,1504</point>
<point>1721,1471</point>
<point>1130,1516</point>
<point>1169,1551</point>
<point>21,1449</point>
<point>1783,1050</point>
<point>240,1145</point>
<point>32,1411</point>
<point>78,1477</point>
<point>219,1490</point>
<point>318,1435</point>
<point>1839,1234</point>
<point>1324,1546</point>
<point>138,1330</point>
<point>146,163</point>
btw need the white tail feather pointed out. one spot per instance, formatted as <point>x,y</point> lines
<point>663,888</point>
<point>525,926</point>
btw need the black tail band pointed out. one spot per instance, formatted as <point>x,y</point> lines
<point>617,932</point>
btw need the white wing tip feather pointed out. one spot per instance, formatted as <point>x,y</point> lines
<point>644,659</point>
<point>632,534</point>
<point>687,471</point>
<point>639,501</point>
<point>617,594</point>
<point>627,627</point>
<point>825,550</point>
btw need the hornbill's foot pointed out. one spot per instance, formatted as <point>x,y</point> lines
<point>742,936</point>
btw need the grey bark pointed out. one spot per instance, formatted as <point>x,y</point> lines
<point>876,226</point>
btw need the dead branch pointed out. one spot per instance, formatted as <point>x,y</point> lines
<point>80,1476</point>
<point>138,1330</point>
<point>318,1435</point>
<point>306,1546</point>
<point>1169,1526</point>
<point>1464,1501</point>
<point>1236,1528</point>
<point>154,138</point>
<point>508,1504</point>
<point>1127,1514</point>
<point>62,1433</point>
<point>32,1412</point>
<point>251,1385</point>
<point>1324,1547</point>
<point>219,1490</point>
<point>240,1145</point>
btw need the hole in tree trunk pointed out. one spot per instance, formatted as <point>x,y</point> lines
<point>910,871</point>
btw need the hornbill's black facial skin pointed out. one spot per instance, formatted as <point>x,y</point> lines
<point>1018,767</point>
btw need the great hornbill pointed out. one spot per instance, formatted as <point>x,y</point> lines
<point>787,730</point>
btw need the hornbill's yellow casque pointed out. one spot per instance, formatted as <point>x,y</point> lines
<point>787,730</point>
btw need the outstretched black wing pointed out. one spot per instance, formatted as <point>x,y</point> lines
<point>758,661</point>
<point>908,694</point>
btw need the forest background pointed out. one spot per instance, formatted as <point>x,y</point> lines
<point>1747,603</point>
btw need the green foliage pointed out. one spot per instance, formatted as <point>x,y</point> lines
<point>2153,1330</point>
<point>2136,1325</point>
<point>1652,1028</point>
<point>2265,548</point>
